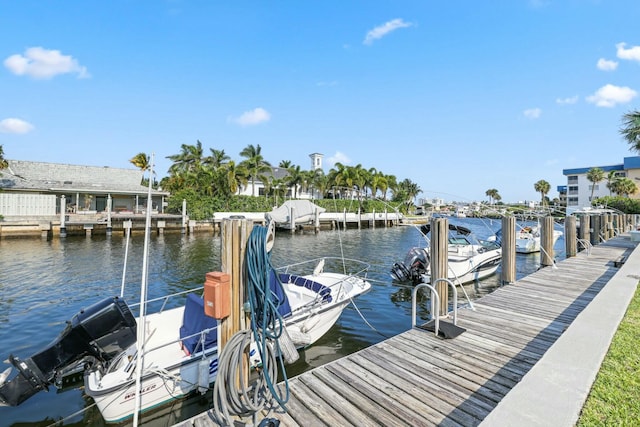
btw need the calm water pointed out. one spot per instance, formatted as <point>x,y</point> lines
<point>43,284</point>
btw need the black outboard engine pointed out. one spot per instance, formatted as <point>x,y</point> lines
<point>415,264</point>
<point>98,333</point>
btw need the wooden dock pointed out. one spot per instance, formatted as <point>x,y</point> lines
<point>418,379</point>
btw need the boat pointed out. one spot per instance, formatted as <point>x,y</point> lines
<point>293,214</point>
<point>468,258</point>
<point>528,238</point>
<point>179,349</point>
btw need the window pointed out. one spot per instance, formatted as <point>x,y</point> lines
<point>573,179</point>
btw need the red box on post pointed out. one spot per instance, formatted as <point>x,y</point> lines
<point>217,295</point>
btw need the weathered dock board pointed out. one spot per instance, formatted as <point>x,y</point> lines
<point>418,379</point>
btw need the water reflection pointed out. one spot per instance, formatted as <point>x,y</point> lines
<point>44,283</point>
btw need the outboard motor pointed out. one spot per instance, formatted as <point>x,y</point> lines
<point>415,264</point>
<point>97,333</point>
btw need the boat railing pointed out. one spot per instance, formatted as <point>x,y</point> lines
<point>203,333</point>
<point>165,299</point>
<point>307,267</point>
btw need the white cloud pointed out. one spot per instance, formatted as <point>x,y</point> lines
<point>610,95</point>
<point>384,29</point>
<point>632,54</point>
<point>42,63</point>
<point>338,158</point>
<point>12,125</point>
<point>606,65</point>
<point>532,113</point>
<point>567,101</point>
<point>253,117</point>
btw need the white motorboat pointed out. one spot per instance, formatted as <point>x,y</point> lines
<point>528,239</point>
<point>468,258</point>
<point>180,353</point>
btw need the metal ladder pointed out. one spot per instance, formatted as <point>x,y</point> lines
<point>435,303</point>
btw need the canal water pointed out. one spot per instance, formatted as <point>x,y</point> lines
<point>44,283</point>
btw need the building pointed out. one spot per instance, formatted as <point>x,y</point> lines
<point>579,189</point>
<point>278,175</point>
<point>29,189</point>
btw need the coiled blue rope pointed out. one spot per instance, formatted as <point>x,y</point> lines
<point>266,322</point>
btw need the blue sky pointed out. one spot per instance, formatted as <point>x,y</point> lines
<point>458,96</point>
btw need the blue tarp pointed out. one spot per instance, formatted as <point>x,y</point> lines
<point>193,321</point>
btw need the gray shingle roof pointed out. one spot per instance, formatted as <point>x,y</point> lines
<point>26,175</point>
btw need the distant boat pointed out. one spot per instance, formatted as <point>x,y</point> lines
<point>303,212</point>
<point>468,258</point>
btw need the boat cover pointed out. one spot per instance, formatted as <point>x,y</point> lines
<point>302,209</point>
<point>284,308</point>
<point>193,321</point>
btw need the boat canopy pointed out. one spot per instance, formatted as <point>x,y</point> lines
<point>194,320</point>
<point>302,209</point>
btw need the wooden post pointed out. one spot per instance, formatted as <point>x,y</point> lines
<point>373,225</point>
<point>439,250</point>
<point>344,226</point>
<point>585,227</point>
<point>292,221</point>
<point>508,250</point>
<point>546,242</point>
<point>63,216</point>
<point>316,222</point>
<point>109,228</point>
<point>594,231</point>
<point>570,239</point>
<point>233,245</point>
<point>183,230</point>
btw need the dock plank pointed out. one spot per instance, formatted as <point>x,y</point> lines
<point>416,378</point>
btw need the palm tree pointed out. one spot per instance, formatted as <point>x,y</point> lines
<point>294,179</point>
<point>493,195</point>
<point>3,162</point>
<point>630,129</point>
<point>623,187</point>
<point>217,158</point>
<point>611,180</point>
<point>235,176</point>
<point>594,175</point>
<point>254,163</point>
<point>285,164</point>
<point>141,161</point>
<point>543,188</point>
<point>190,158</point>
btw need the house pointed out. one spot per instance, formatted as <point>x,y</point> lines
<point>579,188</point>
<point>29,189</point>
<point>278,174</point>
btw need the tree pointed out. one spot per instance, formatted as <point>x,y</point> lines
<point>217,158</point>
<point>594,175</point>
<point>543,188</point>
<point>3,162</point>
<point>611,180</point>
<point>141,161</point>
<point>623,187</point>
<point>189,160</point>
<point>630,129</point>
<point>254,163</point>
<point>493,195</point>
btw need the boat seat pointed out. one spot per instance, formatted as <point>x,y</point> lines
<point>194,320</point>
<point>318,288</point>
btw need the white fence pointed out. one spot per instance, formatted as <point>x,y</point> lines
<point>27,204</point>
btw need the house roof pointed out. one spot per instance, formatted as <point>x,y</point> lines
<point>56,177</point>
